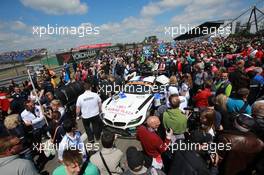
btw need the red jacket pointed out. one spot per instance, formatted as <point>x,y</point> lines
<point>152,144</point>
<point>259,55</point>
<point>4,102</point>
<point>201,98</point>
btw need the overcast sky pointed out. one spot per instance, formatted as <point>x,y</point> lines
<point>118,20</point>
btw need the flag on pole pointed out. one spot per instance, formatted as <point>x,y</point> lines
<point>162,49</point>
<point>146,51</point>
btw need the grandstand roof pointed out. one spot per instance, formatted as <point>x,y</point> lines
<point>201,30</point>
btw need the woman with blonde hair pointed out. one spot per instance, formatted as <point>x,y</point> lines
<point>16,128</point>
<point>11,121</point>
<point>57,106</point>
<point>221,106</point>
<point>172,88</point>
<point>220,102</point>
<point>173,80</point>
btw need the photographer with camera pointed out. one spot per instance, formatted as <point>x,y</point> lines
<point>245,146</point>
<point>197,160</point>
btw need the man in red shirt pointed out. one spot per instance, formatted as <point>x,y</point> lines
<point>152,144</point>
<point>201,98</point>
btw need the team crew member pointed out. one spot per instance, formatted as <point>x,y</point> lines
<point>224,86</point>
<point>89,104</point>
<point>33,116</point>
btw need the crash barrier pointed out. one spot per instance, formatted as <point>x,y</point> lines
<point>69,93</point>
<point>19,79</point>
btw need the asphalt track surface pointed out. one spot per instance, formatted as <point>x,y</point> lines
<point>120,143</point>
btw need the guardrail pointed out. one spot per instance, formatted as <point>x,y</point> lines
<point>19,79</point>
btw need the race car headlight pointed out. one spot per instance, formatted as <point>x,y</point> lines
<point>135,121</point>
<point>102,115</point>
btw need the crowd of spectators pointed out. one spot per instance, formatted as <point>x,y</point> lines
<point>18,55</point>
<point>215,97</point>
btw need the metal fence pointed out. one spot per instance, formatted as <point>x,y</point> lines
<point>19,79</point>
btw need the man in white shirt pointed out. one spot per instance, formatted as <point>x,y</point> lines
<point>33,116</point>
<point>89,105</point>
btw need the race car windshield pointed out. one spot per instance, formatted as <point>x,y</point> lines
<point>137,89</point>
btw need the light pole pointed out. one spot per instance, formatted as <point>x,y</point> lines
<point>13,55</point>
<point>47,58</point>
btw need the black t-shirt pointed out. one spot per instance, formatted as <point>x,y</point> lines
<point>47,86</point>
<point>188,162</point>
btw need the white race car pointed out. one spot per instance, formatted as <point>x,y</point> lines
<point>123,112</point>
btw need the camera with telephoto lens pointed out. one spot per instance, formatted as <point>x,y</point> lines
<point>193,121</point>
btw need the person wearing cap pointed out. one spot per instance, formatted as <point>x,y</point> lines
<point>135,163</point>
<point>195,160</point>
<point>236,104</point>
<point>10,163</point>
<point>151,142</point>
<point>244,147</point>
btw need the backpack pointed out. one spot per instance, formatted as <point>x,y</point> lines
<point>229,119</point>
